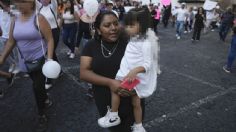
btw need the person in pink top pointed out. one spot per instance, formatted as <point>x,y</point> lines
<point>156,14</point>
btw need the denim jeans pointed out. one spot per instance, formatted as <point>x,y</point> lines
<point>224,29</point>
<point>69,34</point>
<point>232,53</point>
<point>179,27</point>
<point>13,57</point>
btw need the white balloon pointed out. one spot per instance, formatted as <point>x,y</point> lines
<point>51,69</point>
<point>91,7</point>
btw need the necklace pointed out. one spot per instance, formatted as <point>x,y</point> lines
<point>110,52</point>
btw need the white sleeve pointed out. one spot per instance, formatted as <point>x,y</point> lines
<point>147,55</point>
<point>76,10</point>
<point>38,5</point>
<point>54,5</point>
<point>175,12</point>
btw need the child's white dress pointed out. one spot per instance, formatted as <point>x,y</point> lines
<point>140,53</point>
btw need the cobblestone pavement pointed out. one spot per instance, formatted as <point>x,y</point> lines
<point>194,93</point>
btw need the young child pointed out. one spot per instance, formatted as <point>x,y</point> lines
<point>139,61</point>
<point>232,53</point>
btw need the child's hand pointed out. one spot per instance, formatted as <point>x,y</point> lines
<point>131,75</point>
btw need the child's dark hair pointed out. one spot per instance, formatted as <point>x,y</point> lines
<point>234,30</point>
<point>140,15</point>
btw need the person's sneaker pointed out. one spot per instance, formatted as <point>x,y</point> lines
<point>77,50</point>
<point>192,40</point>
<point>109,120</point>
<point>185,31</point>
<point>72,56</point>
<point>11,79</point>
<point>136,128</point>
<point>227,70</point>
<point>42,124</point>
<point>48,103</point>
<point>48,86</point>
<point>178,37</point>
<point>68,53</point>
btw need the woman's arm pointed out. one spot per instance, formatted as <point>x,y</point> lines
<point>88,75</point>
<point>47,34</point>
<point>9,45</point>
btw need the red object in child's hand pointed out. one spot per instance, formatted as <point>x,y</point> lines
<point>129,85</point>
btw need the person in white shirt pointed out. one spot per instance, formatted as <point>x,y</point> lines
<point>4,28</point>
<point>181,16</point>
<point>5,21</point>
<point>69,20</point>
<point>215,19</point>
<point>48,8</point>
<point>139,62</point>
<point>209,19</point>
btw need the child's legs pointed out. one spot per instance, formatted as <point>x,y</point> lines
<point>115,102</point>
<point>137,109</point>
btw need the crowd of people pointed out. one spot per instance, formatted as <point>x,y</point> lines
<point>122,36</point>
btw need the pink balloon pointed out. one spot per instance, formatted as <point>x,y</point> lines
<point>166,2</point>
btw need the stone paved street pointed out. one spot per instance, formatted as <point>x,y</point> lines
<point>194,93</point>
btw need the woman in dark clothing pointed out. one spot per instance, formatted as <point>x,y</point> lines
<point>84,32</point>
<point>99,63</point>
<point>198,24</point>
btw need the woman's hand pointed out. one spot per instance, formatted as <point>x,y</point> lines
<point>125,93</point>
<point>114,86</point>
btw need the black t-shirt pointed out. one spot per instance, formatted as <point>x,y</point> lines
<point>107,67</point>
<point>199,21</point>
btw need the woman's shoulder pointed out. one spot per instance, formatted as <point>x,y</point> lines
<point>92,43</point>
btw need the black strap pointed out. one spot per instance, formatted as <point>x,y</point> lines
<point>52,14</point>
